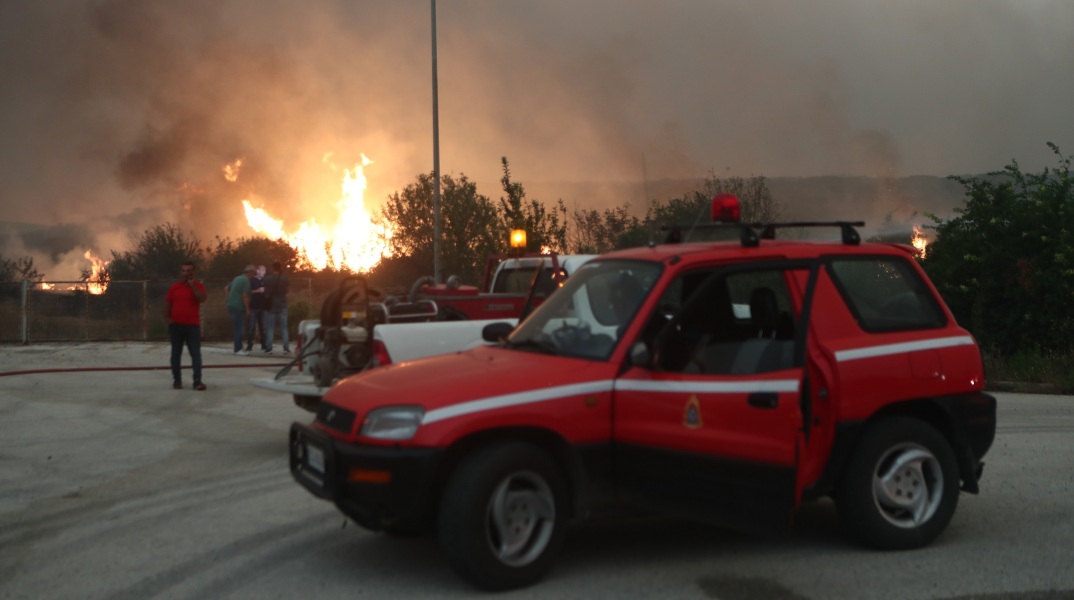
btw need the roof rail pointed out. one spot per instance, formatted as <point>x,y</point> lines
<point>748,231</point>
<point>846,229</point>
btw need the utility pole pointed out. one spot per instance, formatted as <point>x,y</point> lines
<point>436,161</point>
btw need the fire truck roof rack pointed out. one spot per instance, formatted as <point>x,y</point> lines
<point>850,236</point>
<point>748,231</point>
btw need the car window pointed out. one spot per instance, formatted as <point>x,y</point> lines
<point>589,314</point>
<point>885,294</point>
<point>515,280</point>
<point>724,323</point>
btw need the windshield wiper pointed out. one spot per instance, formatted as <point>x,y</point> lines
<point>543,346</point>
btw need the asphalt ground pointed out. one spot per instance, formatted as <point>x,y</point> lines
<point>113,485</point>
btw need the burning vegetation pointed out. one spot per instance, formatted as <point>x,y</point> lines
<point>353,242</point>
<point>919,241</point>
<point>97,276</point>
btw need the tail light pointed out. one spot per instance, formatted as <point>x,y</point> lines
<point>380,354</point>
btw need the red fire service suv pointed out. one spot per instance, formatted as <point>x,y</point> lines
<point>726,381</point>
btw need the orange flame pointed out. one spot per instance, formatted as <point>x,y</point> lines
<point>97,282</point>
<point>231,170</point>
<point>353,243</point>
<point>919,241</point>
<point>47,286</point>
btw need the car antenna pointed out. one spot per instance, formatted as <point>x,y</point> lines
<point>705,206</point>
<point>645,190</point>
<point>652,226</point>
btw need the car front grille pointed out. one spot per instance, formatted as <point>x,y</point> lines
<point>334,417</point>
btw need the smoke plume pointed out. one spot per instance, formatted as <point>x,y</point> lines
<point>121,114</point>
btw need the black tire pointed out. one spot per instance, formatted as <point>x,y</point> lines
<point>901,486</point>
<point>410,530</point>
<point>509,487</point>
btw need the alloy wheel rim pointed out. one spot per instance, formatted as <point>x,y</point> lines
<point>908,486</point>
<point>520,518</point>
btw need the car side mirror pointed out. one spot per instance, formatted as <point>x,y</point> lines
<point>494,332</point>
<point>640,355</point>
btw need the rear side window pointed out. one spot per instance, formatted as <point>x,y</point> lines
<point>515,281</point>
<point>886,294</point>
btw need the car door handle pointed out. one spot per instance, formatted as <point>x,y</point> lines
<point>764,400</point>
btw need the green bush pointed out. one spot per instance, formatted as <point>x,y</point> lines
<point>1005,266</point>
<point>1031,366</point>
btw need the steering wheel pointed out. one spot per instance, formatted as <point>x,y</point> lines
<point>569,335</point>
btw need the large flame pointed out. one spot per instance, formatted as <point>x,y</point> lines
<point>919,241</point>
<point>353,242</point>
<point>97,282</point>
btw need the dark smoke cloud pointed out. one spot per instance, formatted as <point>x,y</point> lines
<point>157,156</point>
<point>116,115</point>
<point>54,241</point>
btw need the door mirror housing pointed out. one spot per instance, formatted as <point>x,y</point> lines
<point>640,355</point>
<point>496,332</point>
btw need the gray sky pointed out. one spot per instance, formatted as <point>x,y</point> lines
<point>119,114</point>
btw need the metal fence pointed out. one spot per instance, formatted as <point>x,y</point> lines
<point>54,311</point>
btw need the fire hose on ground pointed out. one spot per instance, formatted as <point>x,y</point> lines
<point>101,369</point>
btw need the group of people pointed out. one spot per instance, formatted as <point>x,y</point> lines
<point>256,303</point>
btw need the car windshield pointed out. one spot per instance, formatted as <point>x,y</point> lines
<point>588,315</point>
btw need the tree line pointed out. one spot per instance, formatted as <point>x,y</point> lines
<point>1004,264</point>
<point>473,226</point>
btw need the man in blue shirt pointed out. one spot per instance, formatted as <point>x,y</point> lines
<point>258,306</point>
<point>276,288</point>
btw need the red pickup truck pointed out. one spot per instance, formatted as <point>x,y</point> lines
<point>727,381</point>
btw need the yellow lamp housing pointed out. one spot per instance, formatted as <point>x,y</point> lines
<point>518,238</point>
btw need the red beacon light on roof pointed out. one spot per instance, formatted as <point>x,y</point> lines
<point>726,208</point>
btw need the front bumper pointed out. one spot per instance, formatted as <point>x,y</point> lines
<point>379,487</point>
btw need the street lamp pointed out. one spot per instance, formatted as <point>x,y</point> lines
<point>436,160</point>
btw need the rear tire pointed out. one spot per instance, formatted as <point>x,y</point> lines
<point>503,516</point>
<point>901,486</point>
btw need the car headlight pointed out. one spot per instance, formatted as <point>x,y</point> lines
<point>392,422</point>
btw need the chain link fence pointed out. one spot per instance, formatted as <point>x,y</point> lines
<point>66,311</point>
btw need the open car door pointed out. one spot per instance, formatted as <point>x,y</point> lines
<point>711,427</point>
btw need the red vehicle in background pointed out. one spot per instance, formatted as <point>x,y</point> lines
<point>729,382</point>
<point>360,329</point>
<point>510,281</point>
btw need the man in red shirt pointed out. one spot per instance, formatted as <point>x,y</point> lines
<point>182,307</point>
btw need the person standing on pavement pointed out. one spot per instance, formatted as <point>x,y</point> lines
<point>276,288</point>
<point>238,306</point>
<point>182,311</point>
<point>258,305</point>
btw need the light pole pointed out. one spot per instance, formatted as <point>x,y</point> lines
<point>436,160</point>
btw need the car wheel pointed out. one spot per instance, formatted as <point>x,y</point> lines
<point>901,486</point>
<point>503,516</point>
